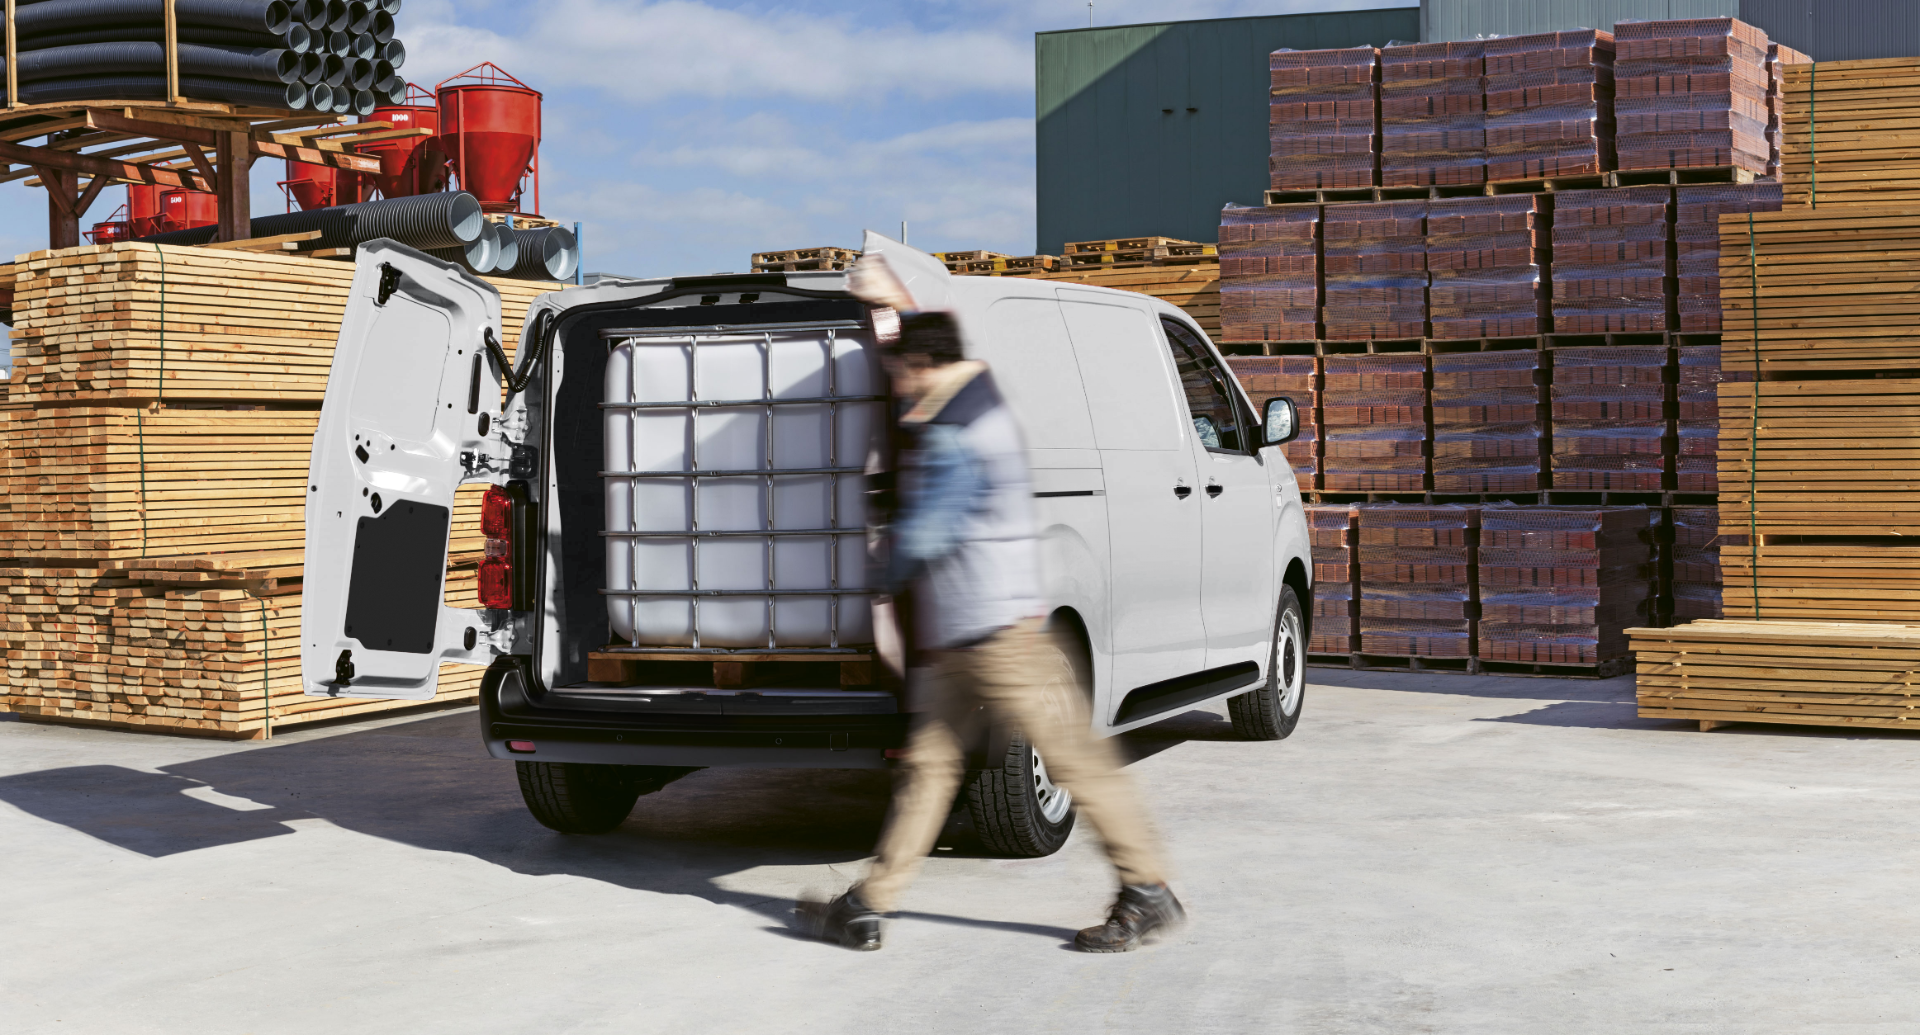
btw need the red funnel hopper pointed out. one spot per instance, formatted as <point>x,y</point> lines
<point>408,165</point>
<point>490,131</point>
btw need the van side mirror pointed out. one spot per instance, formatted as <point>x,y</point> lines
<point>1282,422</point>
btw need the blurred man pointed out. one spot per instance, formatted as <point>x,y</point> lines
<point>965,545</point>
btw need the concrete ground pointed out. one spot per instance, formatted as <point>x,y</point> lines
<point>1428,853</point>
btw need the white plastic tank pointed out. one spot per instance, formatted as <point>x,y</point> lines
<point>709,544</point>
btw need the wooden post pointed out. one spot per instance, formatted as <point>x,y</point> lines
<point>63,223</point>
<point>234,153</point>
<point>13,74</point>
<point>172,45</point>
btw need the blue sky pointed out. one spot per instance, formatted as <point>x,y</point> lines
<point>686,135</point>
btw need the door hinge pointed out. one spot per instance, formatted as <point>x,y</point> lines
<point>389,283</point>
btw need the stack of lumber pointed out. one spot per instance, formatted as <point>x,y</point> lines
<point>1691,92</point>
<point>1696,237</point>
<point>1489,422</point>
<point>1848,130</point>
<point>1375,262</point>
<point>1195,290</point>
<point>1432,114</point>
<point>1549,104</point>
<point>1610,260</point>
<point>1333,537</point>
<point>1610,418</point>
<point>1323,118</point>
<point>1373,409</point>
<point>1854,580</point>
<point>1297,378</point>
<point>1803,672</point>
<point>1561,585</point>
<point>1822,457</point>
<point>1779,56</point>
<point>1486,257</point>
<point>1697,416</point>
<point>1696,578</point>
<point>1418,590</point>
<point>1139,251</point>
<point>1270,273</point>
<point>1839,288</point>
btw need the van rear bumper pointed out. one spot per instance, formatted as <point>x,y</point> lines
<point>612,735</point>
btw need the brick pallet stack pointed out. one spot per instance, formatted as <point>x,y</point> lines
<point>1486,260</point>
<point>1696,578</point>
<point>1561,585</point>
<point>1375,262</point>
<point>1489,422</point>
<point>1610,418</point>
<point>1297,378</point>
<point>1696,237</point>
<point>1610,260</point>
<point>1336,579</point>
<point>1779,56</point>
<point>1549,104</point>
<point>1692,93</point>
<point>1418,586</point>
<point>1270,273</point>
<point>1373,410</point>
<point>1697,417</point>
<point>1324,118</point>
<point>1432,114</point>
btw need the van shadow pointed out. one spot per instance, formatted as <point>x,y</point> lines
<point>428,784</point>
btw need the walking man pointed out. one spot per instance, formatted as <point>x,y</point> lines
<point>965,544</point>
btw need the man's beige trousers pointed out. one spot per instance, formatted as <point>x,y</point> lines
<point>1017,676</point>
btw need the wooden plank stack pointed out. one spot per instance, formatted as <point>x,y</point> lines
<point>1848,132</point>
<point>1194,289</point>
<point>1691,92</point>
<point>1433,114</point>
<point>1374,411</point>
<point>1324,118</point>
<point>1549,103</point>
<point>1838,288</point>
<point>1560,585</point>
<point>1823,457</point>
<point>1801,672</point>
<point>1333,538</point>
<point>1610,418</point>
<point>1418,585</point>
<point>1374,258</point>
<point>1489,422</point>
<point>1270,273</point>
<point>1297,378</point>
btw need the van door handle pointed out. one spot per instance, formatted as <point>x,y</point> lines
<point>1214,489</point>
<point>1182,491</point>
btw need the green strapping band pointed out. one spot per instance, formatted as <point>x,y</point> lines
<point>266,662</point>
<point>1813,135</point>
<point>1753,432</point>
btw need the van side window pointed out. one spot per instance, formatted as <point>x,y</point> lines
<point>1216,421</point>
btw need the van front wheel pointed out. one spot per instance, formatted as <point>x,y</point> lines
<point>1271,712</point>
<point>1017,809</point>
<point>582,798</point>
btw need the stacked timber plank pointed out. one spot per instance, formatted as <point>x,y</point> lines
<point>1691,92</point>
<point>1809,673</point>
<point>1696,580</point>
<point>1848,132</point>
<point>1432,114</point>
<point>1549,103</point>
<point>1696,237</point>
<point>1333,538</point>
<point>1418,590</point>
<point>1610,418</point>
<point>1373,410</point>
<point>1489,422</point>
<point>1195,289</point>
<point>1821,457</point>
<point>1323,120</point>
<point>1270,273</point>
<point>1486,260</point>
<point>1561,585</point>
<point>1838,288</point>
<point>1852,579</point>
<point>1297,378</point>
<point>1610,260</point>
<point>1375,262</point>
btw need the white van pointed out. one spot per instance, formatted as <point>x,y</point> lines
<point>684,474</point>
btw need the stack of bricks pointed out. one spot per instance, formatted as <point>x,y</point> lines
<point>1697,417</point>
<point>1373,410</point>
<point>1779,56</point>
<point>1297,378</point>
<point>1375,261</point>
<point>1418,586</point>
<point>1610,418</point>
<point>1489,422</point>
<point>1610,260</point>
<point>1333,537</point>
<point>1432,114</point>
<point>1270,273</point>
<point>1696,237</point>
<point>1549,104</point>
<point>1561,585</point>
<point>1696,578</point>
<point>1324,118</point>
<point>1692,93</point>
<point>1486,260</point>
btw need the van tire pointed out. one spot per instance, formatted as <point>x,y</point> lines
<point>1016,810</point>
<point>583,798</point>
<point>1271,712</point>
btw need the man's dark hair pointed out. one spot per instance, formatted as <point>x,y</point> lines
<point>933,335</point>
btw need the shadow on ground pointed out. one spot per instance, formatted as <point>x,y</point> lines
<point>428,784</point>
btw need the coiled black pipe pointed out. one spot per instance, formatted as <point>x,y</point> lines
<point>267,66</point>
<point>546,253</point>
<point>394,53</point>
<point>296,38</point>
<point>424,221</point>
<point>154,87</point>
<point>270,16</point>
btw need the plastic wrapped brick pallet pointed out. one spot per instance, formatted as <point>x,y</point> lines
<point>1610,260</point>
<point>1375,258</point>
<point>1298,379</point>
<point>1696,238</point>
<point>1697,417</point>
<point>1561,585</point>
<point>1489,422</point>
<point>1692,92</point>
<point>1485,258</point>
<point>1270,273</point>
<point>1418,594</point>
<point>1323,119</point>
<point>1610,418</point>
<point>1373,412</point>
<point>1549,104</point>
<point>1696,564</point>
<point>1432,114</point>
<point>1336,579</point>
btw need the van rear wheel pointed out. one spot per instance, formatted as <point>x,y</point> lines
<point>1017,810</point>
<point>582,798</point>
<point>1271,712</point>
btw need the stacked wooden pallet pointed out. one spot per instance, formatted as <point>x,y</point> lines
<point>1811,673</point>
<point>1848,132</point>
<point>1838,287</point>
<point>801,260</point>
<point>1139,251</point>
<point>1820,457</point>
<point>1193,289</point>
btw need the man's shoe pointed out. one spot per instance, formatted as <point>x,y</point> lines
<point>846,920</point>
<point>1140,910</point>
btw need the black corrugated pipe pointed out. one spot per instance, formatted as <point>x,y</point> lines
<point>296,39</point>
<point>547,253</point>
<point>360,74</point>
<point>154,87</point>
<point>509,247</point>
<point>333,70</point>
<point>362,102</point>
<point>336,15</point>
<point>396,91</point>
<point>381,73</point>
<point>338,44</point>
<point>312,68</point>
<point>383,27</point>
<point>392,7</point>
<point>359,17</point>
<point>481,255</point>
<point>61,15</point>
<point>424,221</point>
<point>305,11</point>
<point>394,53</point>
<point>363,46</point>
<point>320,97</point>
<point>267,66</point>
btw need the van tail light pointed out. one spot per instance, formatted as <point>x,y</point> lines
<point>496,569</point>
